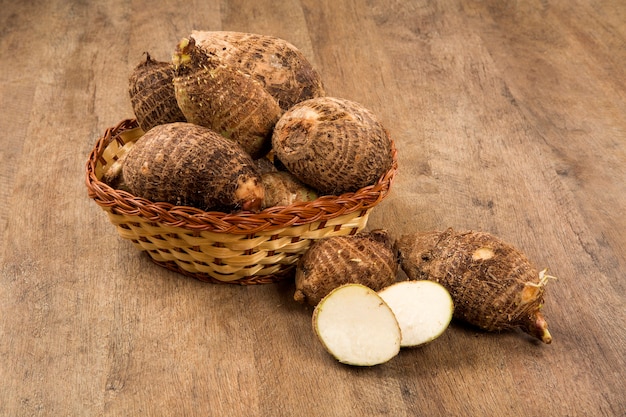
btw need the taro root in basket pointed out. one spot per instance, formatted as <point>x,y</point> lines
<point>239,248</point>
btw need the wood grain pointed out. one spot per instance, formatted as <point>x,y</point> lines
<point>508,118</point>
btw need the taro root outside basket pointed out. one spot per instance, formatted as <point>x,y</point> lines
<point>239,248</point>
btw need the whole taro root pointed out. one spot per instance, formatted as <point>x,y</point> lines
<point>279,66</point>
<point>152,94</point>
<point>222,97</point>
<point>332,144</point>
<point>365,258</point>
<point>493,285</point>
<point>186,164</point>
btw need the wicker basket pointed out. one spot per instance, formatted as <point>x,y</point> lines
<point>239,248</point>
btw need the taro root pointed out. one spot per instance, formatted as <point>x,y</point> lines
<point>283,189</point>
<point>113,176</point>
<point>152,94</point>
<point>220,96</point>
<point>367,258</point>
<point>186,164</point>
<point>332,144</point>
<point>356,326</point>
<point>493,284</point>
<point>264,165</point>
<point>423,310</point>
<point>278,65</point>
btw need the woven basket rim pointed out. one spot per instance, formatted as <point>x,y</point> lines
<point>323,209</point>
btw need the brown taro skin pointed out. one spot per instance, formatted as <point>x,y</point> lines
<point>219,96</point>
<point>152,94</point>
<point>283,189</point>
<point>493,284</point>
<point>333,145</point>
<point>367,258</point>
<point>186,164</point>
<point>278,65</point>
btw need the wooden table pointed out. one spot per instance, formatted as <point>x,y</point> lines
<point>509,117</point>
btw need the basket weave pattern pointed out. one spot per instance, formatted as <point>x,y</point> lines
<point>240,248</point>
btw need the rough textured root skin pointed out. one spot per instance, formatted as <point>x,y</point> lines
<point>493,284</point>
<point>279,66</point>
<point>216,95</point>
<point>114,177</point>
<point>333,145</point>
<point>152,94</point>
<point>365,258</point>
<point>187,164</point>
<point>283,189</point>
<point>265,165</point>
